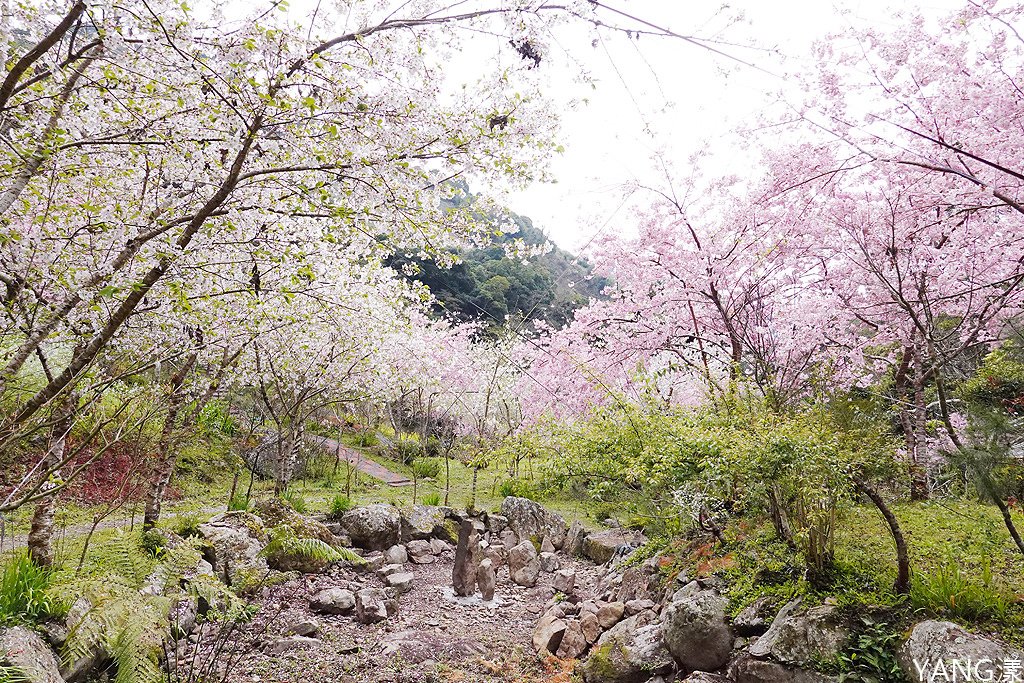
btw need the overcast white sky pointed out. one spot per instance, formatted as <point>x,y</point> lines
<point>662,95</point>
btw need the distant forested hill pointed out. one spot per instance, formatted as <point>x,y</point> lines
<point>488,286</point>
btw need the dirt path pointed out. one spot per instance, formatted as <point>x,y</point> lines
<point>359,460</point>
<point>434,638</point>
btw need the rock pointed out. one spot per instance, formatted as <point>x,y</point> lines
<point>29,655</point>
<point>602,546</point>
<point>635,585</point>
<point>401,582</point>
<point>389,569</point>
<point>374,527</point>
<point>97,656</point>
<point>529,520</point>
<point>374,604</point>
<point>496,524</point>
<point>281,645</point>
<point>705,677</point>
<point>637,606</point>
<point>485,579</point>
<point>276,512</point>
<point>801,637</point>
<point>549,563</point>
<point>508,538</point>
<point>546,546</point>
<point>591,627</point>
<point>333,601</point>
<point>372,562</point>
<point>547,635</point>
<point>574,539</point>
<point>306,627</point>
<point>610,613</point>
<point>423,522</point>
<point>627,654</point>
<point>748,669</point>
<point>466,560</point>
<point>438,546</point>
<point>420,552</point>
<point>523,564</point>
<point>182,614</point>
<point>496,554</point>
<point>695,632</point>
<point>564,581</point>
<point>934,646</point>
<point>396,554</point>
<point>574,642</point>
<point>235,545</point>
<point>753,620</point>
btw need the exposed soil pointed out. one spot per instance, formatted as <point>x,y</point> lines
<point>432,638</point>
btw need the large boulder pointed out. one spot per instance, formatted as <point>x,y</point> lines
<point>627,653</point>
<point>374,527</point>
<point>600,547</point>
<point>333,601</point>
<point>802,636</point>
<point>695,632</point>
<point>276,512</point>
<point>235,544</point>
<point>375,604</point>
<point>423,522</point>
<point>530,520</point>
<point>574,538</point>
<point>27,653</point>
<point>466,560</point>
<point>934,648</point>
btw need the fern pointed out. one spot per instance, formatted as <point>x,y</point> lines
<point>285,543</point>
<point>12,674</point>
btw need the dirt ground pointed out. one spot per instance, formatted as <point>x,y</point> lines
<point>435,637</point>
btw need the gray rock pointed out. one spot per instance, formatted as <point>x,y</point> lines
<point>574,642</point>
<point>530,520</point>
<point>389,569</point>
<point>28,653</point>
<point>753,620</point>
<point>423,522</point>
<point>485,579</point>
<point>439,546</point>
<point>637,606</point>
<point>374,605</point>
<point>508,538</point>
<point>546,546</point>
<point>933,646</point>
<point>182,614</point>
<point>705,677</point>
<point>333,601</point>
<point>748,669</point>
<point>800,637</point>
<point>574,539</point>
<point>420,552</point>
<point>549,563</point>
<point>497,554</point>
<point>396,554</point>
<point>496,524</point>
<point>547,635</point>
<point>602,546</point>
<point>627,654</point>
<point>523,564</point>
<point>374,527</point>
<point>236,541</point>
<point>279,646</point>
<point>695,632</point>
<point>564,581</point>
<point>466,560</point>
<point>401,582</point>
<point>372,562</point>
<point>610,613</point>
<point>635,584</point>
<point>306,627</point>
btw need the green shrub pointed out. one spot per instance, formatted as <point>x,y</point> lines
<point>187,526</point>
<point>340,504</point>
<point>520,489</point>
<point>432,499</point>
<point>871,655</point>
<point>24,596</point>
<point>296,500</point>
<point>405,450</point>
<point>426,469</point>
<point>153,542</point>
<point>948,592</point>
<point>239,502</point>
<point>216,419</point>
<point>367,440</point>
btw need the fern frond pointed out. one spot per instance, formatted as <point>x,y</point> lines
<point>12,674</point>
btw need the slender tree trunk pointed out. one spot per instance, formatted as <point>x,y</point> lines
<point>902,585</point>
<point>166,448</point>
<point>286,460</point>
<point>40,535</point>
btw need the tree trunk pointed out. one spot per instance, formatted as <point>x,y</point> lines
<point>286,460</point>
<point>166,450</point>
<point>40,535</point>
<point>902,585</point>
